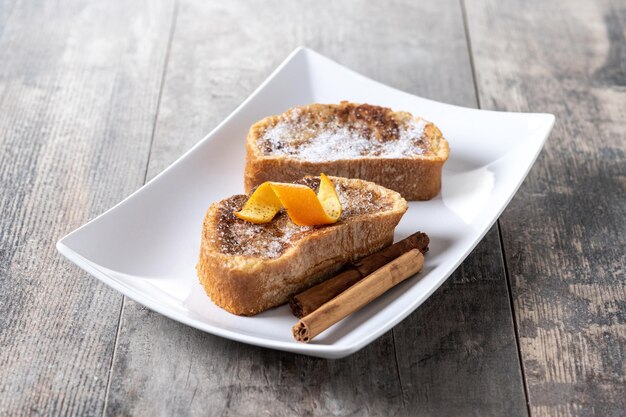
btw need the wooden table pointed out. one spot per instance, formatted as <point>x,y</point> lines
<point>96,97</point>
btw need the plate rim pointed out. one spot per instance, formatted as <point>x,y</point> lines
<point>329,351</point>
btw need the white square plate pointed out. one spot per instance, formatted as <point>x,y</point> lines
<point>146,247</point>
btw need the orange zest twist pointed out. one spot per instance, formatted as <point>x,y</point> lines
<point>303,206</point>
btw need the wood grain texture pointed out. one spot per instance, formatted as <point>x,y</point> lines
<point>219,54</point>
<point>78,93</point>
<point>564,232</point>
<point>457,352</point>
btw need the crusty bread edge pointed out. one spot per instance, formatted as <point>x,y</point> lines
<point>246,285</point>
<point>415,178</point>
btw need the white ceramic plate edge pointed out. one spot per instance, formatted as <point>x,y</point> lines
<point>327,351</point>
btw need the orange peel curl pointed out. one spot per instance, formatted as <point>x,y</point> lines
<point>303,206</point>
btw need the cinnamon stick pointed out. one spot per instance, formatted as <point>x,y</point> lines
<point>308,301</point>
<point>359,295</point>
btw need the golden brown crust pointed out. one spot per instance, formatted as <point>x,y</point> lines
<point>247,285</point>
<point>417,177</point>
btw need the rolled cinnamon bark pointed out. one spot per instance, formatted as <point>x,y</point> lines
<point>308,301</point>
<point>359,295</point>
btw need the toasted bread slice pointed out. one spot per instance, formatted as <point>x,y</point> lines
<point>247,268</point>
<point>393,149</point>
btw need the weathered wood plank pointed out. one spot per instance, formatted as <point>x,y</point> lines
<point>79,87</point>
<point>220,53</point>
<point>458,352</point>
<point>564,231</point>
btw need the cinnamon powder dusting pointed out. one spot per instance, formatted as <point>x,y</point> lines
<point>318,133</point>
<point>235,236</point>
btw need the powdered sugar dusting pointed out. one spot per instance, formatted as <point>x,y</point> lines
<point>260,240</point>
<point>308,138</point>
<point>270,240</point>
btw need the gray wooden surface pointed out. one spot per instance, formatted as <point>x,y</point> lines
<point>564,234</point>
<point>96,97</point>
